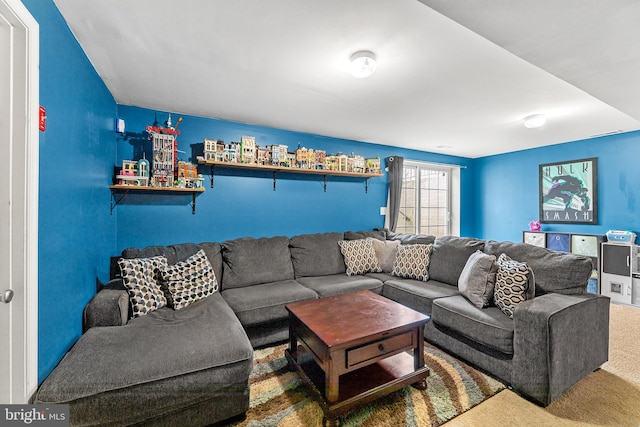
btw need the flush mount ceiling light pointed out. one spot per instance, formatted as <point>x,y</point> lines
<point>535,121</point>
<point>363,64</point>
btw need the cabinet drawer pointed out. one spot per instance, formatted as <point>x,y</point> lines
<point>535,239</point>
<point>380,348</point>
<point>584,245</point>
<point>558,242</point>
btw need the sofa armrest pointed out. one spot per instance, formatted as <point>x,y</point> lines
<point>558,340</point>
<point>109,307</point>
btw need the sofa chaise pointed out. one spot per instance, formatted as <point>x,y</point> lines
<point>191,366</point>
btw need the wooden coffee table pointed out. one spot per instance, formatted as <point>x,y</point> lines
<point>353,348</point>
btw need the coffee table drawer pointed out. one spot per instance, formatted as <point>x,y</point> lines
<point>380,348</point>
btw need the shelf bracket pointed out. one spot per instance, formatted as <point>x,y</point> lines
<point>116,200</point>
<point>325,183</point>
<point>212,171</point>
<point>366,185</point>
<point>275,177</point>
<point>193,203</point>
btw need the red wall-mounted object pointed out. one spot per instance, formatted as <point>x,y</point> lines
<point>42,121</point>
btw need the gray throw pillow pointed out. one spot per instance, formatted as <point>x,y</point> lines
<point>478,279</point>
<point>450,254</point>
<point>386,253</point>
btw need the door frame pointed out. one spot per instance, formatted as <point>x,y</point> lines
<point>24,146</point>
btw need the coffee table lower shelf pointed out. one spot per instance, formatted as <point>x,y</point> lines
<point>360,386</point>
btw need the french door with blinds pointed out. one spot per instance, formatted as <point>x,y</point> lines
<point>425,204</point>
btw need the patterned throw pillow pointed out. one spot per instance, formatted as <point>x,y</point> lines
<point>412,262</point>
<point>512,283</point>
<point>190,280</point>
<point>359,256</point>
<point>140,277</point>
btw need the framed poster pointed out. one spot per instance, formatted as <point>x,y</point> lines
<point>569,192</point>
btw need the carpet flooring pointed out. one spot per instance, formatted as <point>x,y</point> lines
<point>280,398</point>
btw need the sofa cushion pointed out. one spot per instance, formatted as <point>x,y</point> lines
<point>179,252</point>
<point>140,277</point>
<point>488,326</point>
<point>412,262</point>
<point>410,239</point>
<point>383,277</point>
<point>265,303</point>
<point>356,235</point>
<point>512,284</point>
<point>478,279</point>
<point>386,253</point>
<point>359,256</point>
<point>173,253</point>
<point>162,345</point>
<point>417,294</point>
<point>189,281</point>
<point>559,272</point>
<point>450,255</point>
<point>338,284</point>
<point>316,254</point>
<point>248,261</point>
<point>213,251</point>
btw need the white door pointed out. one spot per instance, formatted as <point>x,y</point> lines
<point>18,202</point>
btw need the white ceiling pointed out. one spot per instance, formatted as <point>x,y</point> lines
<point>456,83</point>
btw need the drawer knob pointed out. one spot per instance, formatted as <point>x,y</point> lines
<point>381,347</point>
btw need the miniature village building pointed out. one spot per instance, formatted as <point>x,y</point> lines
<point>342,162</point>
<point>187,175</point>
<point>248,150</point>
<point>163,160</point>
<point>128,173</point>
<point>231,152</point>
<point>290,161</point>
<point>214,150</point>
<point>331,163</point>
<point>186,170</point>
<point>302,158</point>
<point>319,158</point>
<point>278,154</point>
<point>143,172</point>
<point>129,168</point>
<point>372,165</point>
<point>357,164</point>
<point>263,156</point>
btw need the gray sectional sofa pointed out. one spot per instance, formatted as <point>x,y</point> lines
<point>191,366</point>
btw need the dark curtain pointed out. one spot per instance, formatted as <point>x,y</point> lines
<point>394,164</point>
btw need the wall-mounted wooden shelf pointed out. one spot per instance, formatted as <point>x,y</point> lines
<point>123,190</point>
<point>284,169</point>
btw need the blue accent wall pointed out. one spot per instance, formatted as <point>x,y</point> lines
<point>243,203</point>
<point>77,151</point>
<point>508,185</point>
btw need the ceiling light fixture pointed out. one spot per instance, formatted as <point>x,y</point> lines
<point>363,64</point>
<point>535,121</point>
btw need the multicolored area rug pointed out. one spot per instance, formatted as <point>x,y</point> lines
<point>280,398</point>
